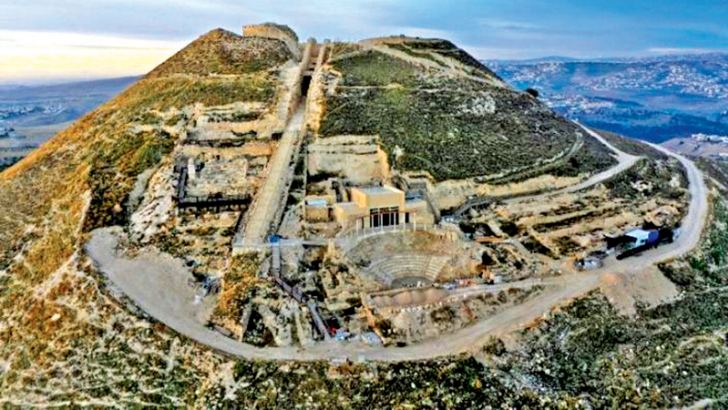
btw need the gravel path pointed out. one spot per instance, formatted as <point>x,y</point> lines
<point>157,284</point>
<point>624,162</point>
<point>456,72</point>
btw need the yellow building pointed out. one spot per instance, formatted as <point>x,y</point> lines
<point>380,206</point>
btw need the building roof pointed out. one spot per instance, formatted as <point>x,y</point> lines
<point>643,235</point>
<point>320,202</point>
<point>379,190</point>
<point>351,208</point>
<point>638,234</point>
<point>347,205</point>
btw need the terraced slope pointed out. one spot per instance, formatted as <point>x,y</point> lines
<point>93,164</point>
<point>53,317</point>
<point>439,111</point>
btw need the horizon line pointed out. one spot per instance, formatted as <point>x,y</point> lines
<point>41,81</point>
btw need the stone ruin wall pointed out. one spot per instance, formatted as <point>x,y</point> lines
<point>316,103</point>
<point>271,31</point>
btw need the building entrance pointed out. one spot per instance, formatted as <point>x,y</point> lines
<point>383,217</point>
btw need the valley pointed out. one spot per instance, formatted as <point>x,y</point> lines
<point>30,115</point>
<point>651,98</point>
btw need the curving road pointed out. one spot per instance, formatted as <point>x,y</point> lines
<point>624,162</point>
<point>160,290</point>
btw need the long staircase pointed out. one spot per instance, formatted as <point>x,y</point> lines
<point>272,194</point>
<point>269,203</point>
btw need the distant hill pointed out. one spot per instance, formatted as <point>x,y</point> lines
<point>76,88</point>
<point>655,98</point>
<point>700,145</point>
<point>29,115</point>
<point>22,106</point>
<point>222,136</point>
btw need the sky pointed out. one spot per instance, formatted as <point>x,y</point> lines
<point>53,40</point>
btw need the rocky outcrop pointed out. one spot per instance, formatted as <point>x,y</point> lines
<point>357,158</point>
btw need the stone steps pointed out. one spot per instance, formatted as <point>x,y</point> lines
<point>436,265</point>
<point>390,268</point>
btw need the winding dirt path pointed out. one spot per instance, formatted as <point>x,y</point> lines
<point>160,290</point>
<point>450,69</point>
<point>624,162</point>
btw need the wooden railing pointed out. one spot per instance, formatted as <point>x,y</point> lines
<point>205,201</point>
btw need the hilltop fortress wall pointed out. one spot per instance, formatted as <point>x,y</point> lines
<point>275,31</point>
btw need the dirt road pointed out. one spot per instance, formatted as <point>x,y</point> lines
<point>158,287</point>
<point>157,284</point>
<point>624,162</point>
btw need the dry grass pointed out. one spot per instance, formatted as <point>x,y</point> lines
<point>224,52</point>
<point>238,281</point>
<point>62,340</point>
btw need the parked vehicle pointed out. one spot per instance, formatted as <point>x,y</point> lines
<point>640,240</point>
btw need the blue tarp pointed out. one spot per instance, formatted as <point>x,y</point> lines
<point>653,237</point>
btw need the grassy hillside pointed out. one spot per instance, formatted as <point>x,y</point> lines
<point>102,153</point>
<point>452,126</point>
<point>670,356</point>
<point>63,326</point>
<point>223,52</point>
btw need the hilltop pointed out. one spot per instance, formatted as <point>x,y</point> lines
<point>79,180</point>
<point>221,52</point>
<point>447,114</point>
<point>260,222</point>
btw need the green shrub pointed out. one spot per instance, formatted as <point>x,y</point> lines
<point>436,135</point>
<point>372,68</point>
<point>708,266</point>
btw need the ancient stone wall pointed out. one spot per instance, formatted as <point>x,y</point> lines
<point>357,158</point>
<point>275,31</point>
<point>316,102</point>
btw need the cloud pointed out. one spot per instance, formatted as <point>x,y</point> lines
<point>29,55</point>
<point>683,50</point>
<point>19,40</point>
<point>507,53</point>
<point>502,30</point>
<point>508,25</point>
<point>147,30</point>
